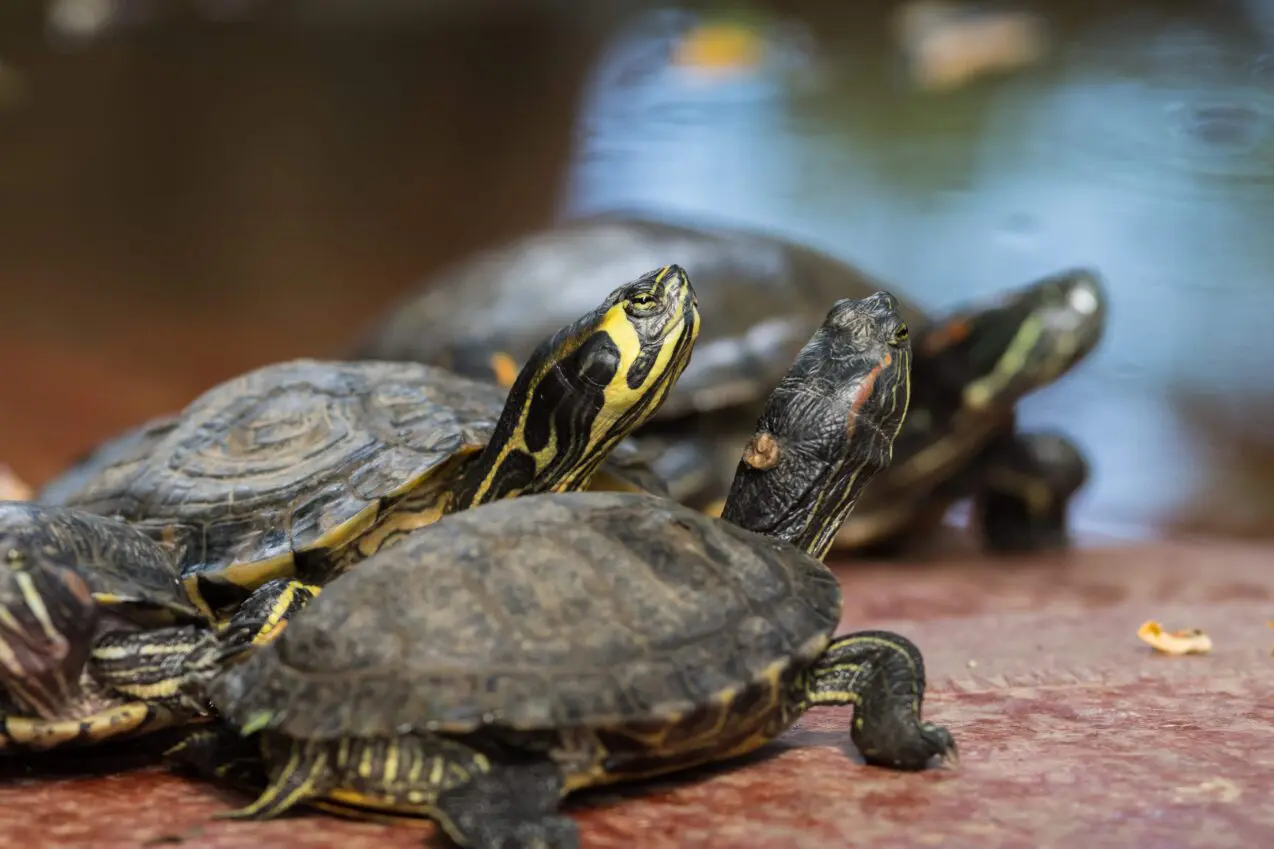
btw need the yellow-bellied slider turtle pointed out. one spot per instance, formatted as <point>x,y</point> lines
<point>301,469</point>
<point>514,653</point>
<point>94,628</point>
<point>763,296</point>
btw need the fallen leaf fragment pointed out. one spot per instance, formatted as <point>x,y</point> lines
<point>12,487</point>
<point>1190,641</point>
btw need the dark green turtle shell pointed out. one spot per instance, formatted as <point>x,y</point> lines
<point>761,297</point>
<point>575,609</point>
<point>297,456</point>
<point>123,568</point>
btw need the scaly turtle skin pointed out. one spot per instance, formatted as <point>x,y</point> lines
<point>764,296</point>
<point>512,654</point>
<point>304,468</point>
<point>94,627</point>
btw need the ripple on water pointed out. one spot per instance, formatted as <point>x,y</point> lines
<point>1187,114</point>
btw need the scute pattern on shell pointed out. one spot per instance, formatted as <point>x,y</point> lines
<point>110,556</point>
<point>542,612</point>
<point>267,462</point>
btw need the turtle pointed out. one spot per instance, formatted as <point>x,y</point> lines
<point>275,481</point>
<point>94,629</point>
<point>509,655</point>
<point>763,295</point>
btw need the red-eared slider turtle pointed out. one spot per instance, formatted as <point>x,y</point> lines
<point>514,653</point>
<point>94,627</point>
<point>301,469</point>
<point>763,296</point>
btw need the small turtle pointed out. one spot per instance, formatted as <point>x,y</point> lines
<point>763,296</point>
<point>303,468</point>
<point>514,653</point>
<point>94,627</point>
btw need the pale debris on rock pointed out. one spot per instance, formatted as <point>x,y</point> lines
<point>1190,641</point>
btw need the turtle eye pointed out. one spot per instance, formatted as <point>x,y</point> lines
<point>642,301</point>
<point>900,335</point>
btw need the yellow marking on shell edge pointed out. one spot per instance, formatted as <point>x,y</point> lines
<point>366,763</point>
<point>252,574</point>
<point>107,598</point>
<point>504,368</point>
<point>390,770</point>
<point>417,770</point>
<point>42,734</point>
<point>398,523</point>
<point>604,481</point>
<point>770,678</point>
<point>351,803</point>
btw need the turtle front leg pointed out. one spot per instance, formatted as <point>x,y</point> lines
<point>218,753</point>
<point>883,675</point>
<point>1023,500</point>
<point>479,802</point>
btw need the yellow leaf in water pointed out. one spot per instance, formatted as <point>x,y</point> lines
<point>722,46</point>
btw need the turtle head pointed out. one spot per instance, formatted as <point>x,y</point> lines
<point>828,428</point>
<point>47,620</point>
<point>586,387</point>
<point>998,352</point>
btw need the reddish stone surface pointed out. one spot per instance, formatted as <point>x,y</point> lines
<point>1073,733</point>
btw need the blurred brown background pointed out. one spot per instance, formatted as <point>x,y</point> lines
<point>190,189</point>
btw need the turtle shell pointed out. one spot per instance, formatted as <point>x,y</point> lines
<point>578,609</point>
<point>293,457</point>
<point>761,297</point>
<point>132,446</point>
<point>122,567</point>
